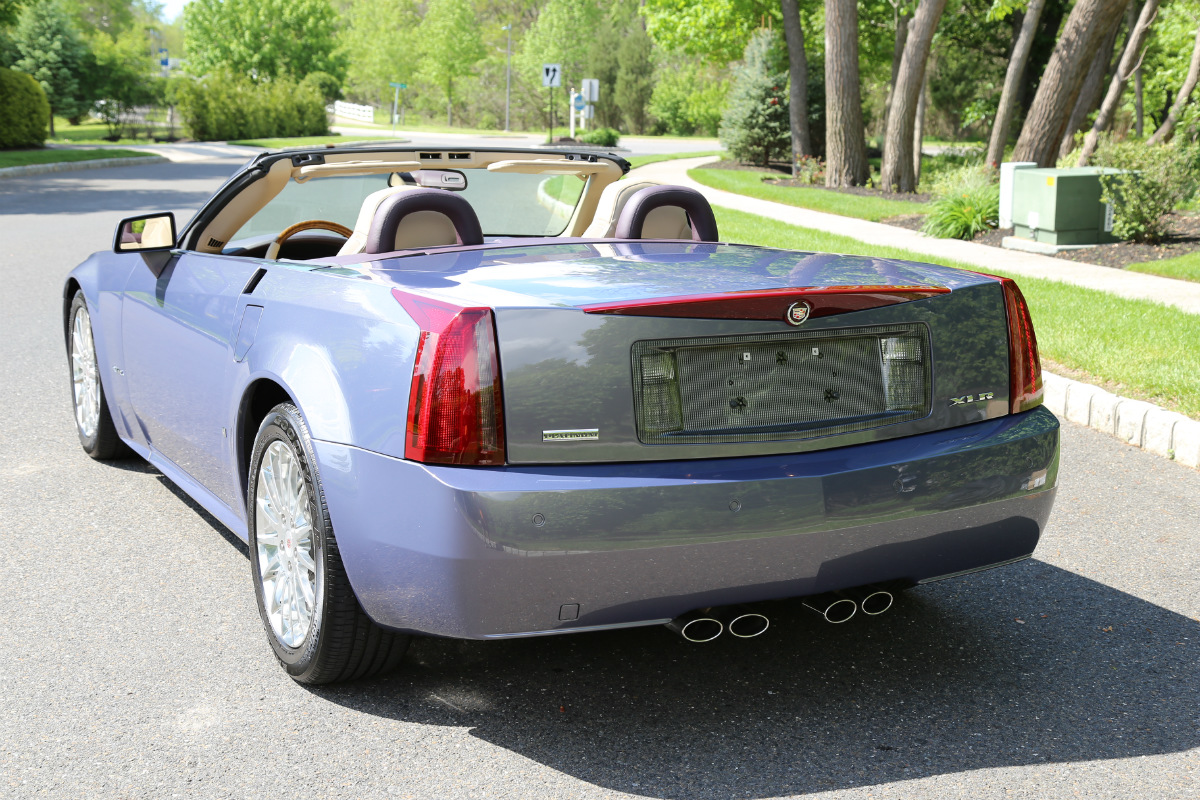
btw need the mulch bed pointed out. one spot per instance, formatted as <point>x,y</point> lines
<point>1183,235</point>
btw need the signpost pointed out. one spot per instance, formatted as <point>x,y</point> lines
<point>551,77</point>
<point>395,100</point>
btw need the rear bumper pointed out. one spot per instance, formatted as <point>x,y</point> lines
<point>485,552</point>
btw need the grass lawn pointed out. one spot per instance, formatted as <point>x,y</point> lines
<point>641,161</point>
<point>1134,348</point>
<point>848,205</point>
<point>312,141</point>
<point>22,158</point>
<point>1184,267</point>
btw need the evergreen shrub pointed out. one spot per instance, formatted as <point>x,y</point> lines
<point>601,137</point>
<point>223,106</point>
<point>755,127</point>
<point>24,110</point>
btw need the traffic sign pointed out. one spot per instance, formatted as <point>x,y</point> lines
<point>578,103</point>
<point>552,75</point>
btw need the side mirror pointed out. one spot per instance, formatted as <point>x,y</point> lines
<point>146,233</point>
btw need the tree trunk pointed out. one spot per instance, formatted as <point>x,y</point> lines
<point>1139,111</point>
<point>919,131</point>
<point>897,172</point>
<point>1091,93</point>
<point>1130,59</point>
<point>798,70</point>
<point>902,21</point>
<point>846,148</point>
<point>1085,30</point>
<point>1012,83</point>
<point>1164,133</point>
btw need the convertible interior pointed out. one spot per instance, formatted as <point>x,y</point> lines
<point>351,205</point>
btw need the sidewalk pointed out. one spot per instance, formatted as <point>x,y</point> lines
<point>1184,295</point>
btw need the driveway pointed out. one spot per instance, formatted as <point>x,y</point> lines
<point>133,664</point>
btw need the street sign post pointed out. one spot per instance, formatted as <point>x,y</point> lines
<point>551,77</point>
<point>395,100</point>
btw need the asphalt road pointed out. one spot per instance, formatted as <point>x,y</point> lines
<point>133,664</point>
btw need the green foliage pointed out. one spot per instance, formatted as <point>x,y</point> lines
<point>602,137</point>
<point>329,87</point>
<point>1157,181</point>
<point>225,106</point>
<point>718,31</point>
<point>374,61</point>
<point>262,39</point>
<point>688,98</point>
<point>121,81</point>
<point>24,110</point>
<point>755,126</point>
<point>51,50</point>
<point>968,202</point>
<point>450,45</point>
<point>635,77</point>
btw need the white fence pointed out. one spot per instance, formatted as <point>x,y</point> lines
<point>354,111</point>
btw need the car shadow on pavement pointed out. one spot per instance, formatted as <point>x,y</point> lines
<point>1027,665</point>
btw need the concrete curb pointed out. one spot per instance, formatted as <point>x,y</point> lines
<point>74,166</point>
<point>1141,424</point>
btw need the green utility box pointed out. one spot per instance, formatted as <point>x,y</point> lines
<point>1062,206</point>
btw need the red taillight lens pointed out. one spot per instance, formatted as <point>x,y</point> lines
<point>455,411</point>
<point>1024,364</point>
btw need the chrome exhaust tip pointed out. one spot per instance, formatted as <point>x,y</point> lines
<point>746,624</point>
<point>831,607</point>
<point>871,599</point>
<point>697,626</point>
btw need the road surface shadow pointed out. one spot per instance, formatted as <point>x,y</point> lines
<point>175,186</point>
<point>1019,666</point>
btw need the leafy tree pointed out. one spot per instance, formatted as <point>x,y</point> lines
<point>718,30</point>
<point>375,61</point>
<point>121,73</point>
<point>262,38</point>
<point>10,10</point>
<point>755,126</point>
<point>451,45</point>
<point>562,35</point>
<point>635,77</point>
<point>51,50</point>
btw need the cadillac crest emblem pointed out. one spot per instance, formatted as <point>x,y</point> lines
<point>797,312</point>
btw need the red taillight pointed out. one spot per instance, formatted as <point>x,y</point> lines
<point>1024,364</point>
<point>455,411</point>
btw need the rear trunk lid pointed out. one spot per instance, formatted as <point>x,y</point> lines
<point>655,351</point>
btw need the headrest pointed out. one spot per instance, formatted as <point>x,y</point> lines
<point>416,218</point>
<point>667,212</point>
<point>358,239</point>
<point>608,208</point>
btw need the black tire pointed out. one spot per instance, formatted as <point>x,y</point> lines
<point>341,643</point>
<point>103,443</point>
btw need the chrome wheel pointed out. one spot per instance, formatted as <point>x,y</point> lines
<point>285,546</point>
<point>84,375</point>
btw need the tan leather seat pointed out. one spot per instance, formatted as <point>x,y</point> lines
<point>608,208</point>
<point>362,226</point>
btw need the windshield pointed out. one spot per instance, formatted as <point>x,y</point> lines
<point>507,204</point>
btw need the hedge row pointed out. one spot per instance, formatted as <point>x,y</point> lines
<point>24,110</point>
<point>222,107</point>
